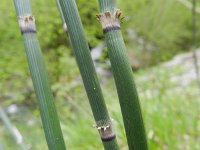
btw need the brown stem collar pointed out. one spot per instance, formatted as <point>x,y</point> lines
<point>27,24</point>
<point>110,21</point>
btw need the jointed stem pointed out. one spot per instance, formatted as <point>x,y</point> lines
<point>126,89</point>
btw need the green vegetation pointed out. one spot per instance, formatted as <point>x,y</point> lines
<point>171,119</point>
<point>154,32</point>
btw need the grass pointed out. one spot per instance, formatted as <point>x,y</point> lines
<point>171,115</point>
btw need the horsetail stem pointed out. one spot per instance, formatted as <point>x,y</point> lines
<point>42,88</point>
<point>88,73</point>
<point>126,89</point>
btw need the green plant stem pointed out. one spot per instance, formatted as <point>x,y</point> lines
<point>43,92</point>
<point>61,15</point>
<point>12,129</point>
<point>126,89</point>
<point>89,76</point>
<point>195,58</point>
<point>1,146</point>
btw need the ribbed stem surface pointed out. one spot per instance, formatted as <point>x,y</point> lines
<point>107,5</point>
<point>126,89</point>
<point>43,92</point>
<point>85,63</point>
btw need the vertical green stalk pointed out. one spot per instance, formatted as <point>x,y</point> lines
<point>43,92</point>
<point>12,130</point>
<point>126,89</point>
<point>89,76</point>
<point>61,15</point>
<point>194,41</point>
<point>1,146</point>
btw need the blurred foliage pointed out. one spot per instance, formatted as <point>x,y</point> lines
<point>154,30</point>
<point>54,43</point>
<point>163,29</point>
<point>171,119</point>
<point>160,30</point>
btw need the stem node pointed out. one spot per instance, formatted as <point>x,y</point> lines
<point>110,21</point>
<point>27,24</point>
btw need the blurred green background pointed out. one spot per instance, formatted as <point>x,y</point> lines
<point>158,37</point>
